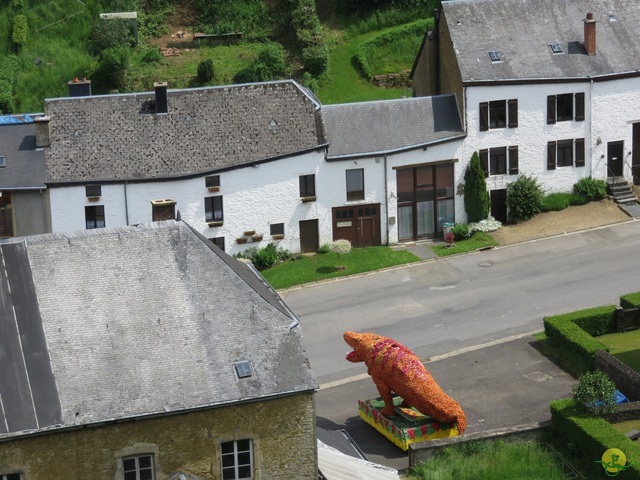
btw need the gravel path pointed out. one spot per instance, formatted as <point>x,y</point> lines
<point>572,219</point>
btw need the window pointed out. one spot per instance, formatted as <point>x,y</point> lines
<point>237,460</point>
<point>218,242</point>
<point>355,184</point>
<point>494,55</point>
<point>307,185</point>
<point>556,48</point>
<point>10,476</point>
<point>94,216</point>
<point>213,209</point>
<point>495,161</point>
<point>6,215</point>
<point>212,181</point>
<point>499,114</point>
<point>276,229</point>
<point>565,107</point>
<point>93,190</point>
<point>565,153</point>
<point>138,468</point>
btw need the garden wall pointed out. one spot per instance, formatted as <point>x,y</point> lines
<point>627,380</point>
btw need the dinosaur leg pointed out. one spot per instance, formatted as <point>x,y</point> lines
<point>385,393</point>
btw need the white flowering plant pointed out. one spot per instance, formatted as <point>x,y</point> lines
<point>340,247</point>
<point>489,224</point>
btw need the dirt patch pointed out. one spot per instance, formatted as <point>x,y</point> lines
<point>180,25</point>
<point>572,219</point>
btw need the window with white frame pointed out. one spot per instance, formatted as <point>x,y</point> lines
<point>565,107</point>
<point>355,184</point>
<point>499,160</point>
<point>237,460</point>
<point>565,153</point>
<point>139,467</point>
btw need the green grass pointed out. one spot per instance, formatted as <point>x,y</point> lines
<point>323,266</point>
<point>476,241</point>
<point>490,461</point>
<point>624,346</point>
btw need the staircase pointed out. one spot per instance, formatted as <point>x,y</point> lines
<point>622,193</point>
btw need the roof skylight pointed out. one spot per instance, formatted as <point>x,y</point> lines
<point>494,55</point>
<point>556,48</point>
<point>3,160</point>
<point>243,369</point>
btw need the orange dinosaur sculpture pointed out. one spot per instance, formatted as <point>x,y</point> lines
<point>394,368</point>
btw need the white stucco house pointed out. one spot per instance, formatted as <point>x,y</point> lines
<point>546,88</point>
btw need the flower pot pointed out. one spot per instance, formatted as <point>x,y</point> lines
<point>215,224</point>
<point>249,233</point>
<point>93,199</point>
<point>308,199</point>
<point>279,236</point>
<point>256,238</point>
<point>213,189</point>
<point>241,240</point>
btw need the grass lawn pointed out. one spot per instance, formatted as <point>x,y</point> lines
<point>624,427</point>
<point>624,346</point>
<point>492,460</point>
<point>323,266</point>
<point>477,240</point>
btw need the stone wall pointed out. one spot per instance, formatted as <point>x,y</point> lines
<point>282,430</point>
<point>627,380</point>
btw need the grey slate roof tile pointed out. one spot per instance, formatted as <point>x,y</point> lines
<point>24,165</point>
<point>522,30</point>
<point>387,126</point>
<point>150,319</point>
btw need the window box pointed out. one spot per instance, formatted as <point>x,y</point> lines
<point>279,236</point>
<point>213,189</point>
<point>249,233</point>
<point>241,240</point>
<point>215,224</point>
<point>93,199</point>
<point>256,238</point>
<point>308,199</point>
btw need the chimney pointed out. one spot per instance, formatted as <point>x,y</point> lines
<point>79,88</point>
<point>161,97</point>
<point>590,34</point>
<point>43,138</point>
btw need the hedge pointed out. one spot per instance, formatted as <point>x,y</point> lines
<point>592,436</point>
<point>572,334</point>
<point>630,300</point>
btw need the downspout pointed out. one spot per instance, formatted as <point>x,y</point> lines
<point>126,204</point>
<point>436,23</point>
<point>44,210</point>
<point>386,196</point>
<point>591,128</point>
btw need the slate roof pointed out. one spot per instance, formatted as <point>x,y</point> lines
<point>112,324</point>
<point>522,30</point>
<point>370,128</point>
<point>120,137</point>
<point>24,165</point>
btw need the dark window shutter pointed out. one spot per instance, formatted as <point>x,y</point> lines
<point>551,156</point>
<point>484,162</point>
<point>513,160</point>
<point>513,113</point>
<point>484,116</point>
<point>579,148</point>
<point>551,109</point>
<point>579,98</point>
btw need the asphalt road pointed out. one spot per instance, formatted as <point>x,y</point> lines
<point>450,305</point>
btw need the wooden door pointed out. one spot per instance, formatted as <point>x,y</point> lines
<point>614,158</point>
<point>499,205</point>
<point>309,241</point>
<point>635,155</point>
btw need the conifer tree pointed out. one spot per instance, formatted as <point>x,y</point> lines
<point>476,196</point>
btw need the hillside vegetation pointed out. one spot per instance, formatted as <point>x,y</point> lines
<point>43,45</point>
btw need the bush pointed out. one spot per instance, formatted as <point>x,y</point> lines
<point>578,199</point>
<point>524,198</point>
<point>489,224</point>
<point>152,55</point>
<point>19,31</point>
<point>340,247</point>
<point>271,64</point>
<point>324,248</point>
<point>630,300</point>
<point>591,188</point>
<point>594,393</point>
<point>112,69</point>
<point>316,59</point>
<point>476,196</point>
<point>266,257</point>
<point>461,231</point>
<point>555,202</point>
<point>108,34</point>
<point>205,71</point>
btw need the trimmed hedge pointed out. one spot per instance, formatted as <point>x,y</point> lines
<point>592,436</point>
<point>572,334</point>
<point>630,300</point>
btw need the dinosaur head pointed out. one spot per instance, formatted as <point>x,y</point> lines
<point>362,343</point>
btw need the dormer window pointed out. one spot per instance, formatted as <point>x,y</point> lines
<point>3,160</point>
<point>556,48</point>
<point>494,55</point>
<point>243,369</point>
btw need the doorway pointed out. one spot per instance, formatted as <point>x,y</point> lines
<point>309,241</point>
<point>499,205</point>
<point>614,158</point>
<point>635,155</point>
<point>360,224</point>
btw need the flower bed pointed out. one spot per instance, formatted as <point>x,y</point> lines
<point>407,427</point>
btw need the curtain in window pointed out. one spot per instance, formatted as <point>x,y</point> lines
<point>445,212</point>
<point>405,222</point>
<point>425,218</point>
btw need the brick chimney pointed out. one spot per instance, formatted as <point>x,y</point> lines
<point>590,34</point>
<point>79,88</point>
<point>162,105</point>
<point>43,137</point>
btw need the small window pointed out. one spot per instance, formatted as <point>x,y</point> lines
<point>213,209</point>
<point>10,476</point>
<point>94,217</point>
<point>212,181</point>
<point>93,190</point>
<point>565,153</point>
<point>556,48</point>
<point>3,162</point>
<point>237,460</point>
<point>564,104</point>
<point>139,467</point>
<point>355,184</point>
<point>498,114</point>
<point>498,161</point>
<point>307,185</point>
<point>218,242</point>
<point>243,369</point>
<point>564,156</point>
<point>276,229</point>
<point>494,55</point>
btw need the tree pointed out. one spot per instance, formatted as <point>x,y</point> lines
<point>524,198</point>
<point>594,393</point>
<point>205,71</point>
<point>476,196</point>
<point>111,73</point>
<point>108,34</point>
<point>19,32</point>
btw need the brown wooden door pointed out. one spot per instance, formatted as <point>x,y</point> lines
<point>358,224</point>
<point>499,205</point>
<point>309,241</point>
<point>635,155</point>
<point>614,158</point>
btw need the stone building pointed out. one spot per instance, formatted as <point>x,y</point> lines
<point>147,353</point>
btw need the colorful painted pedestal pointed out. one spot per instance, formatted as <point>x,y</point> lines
<point>407,426</point>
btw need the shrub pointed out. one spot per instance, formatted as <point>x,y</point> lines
<point>578,199</point>
<point>591,188</point>
<point>476,196</point>
<point>340,247</point>
<point>555,202</point>
<point>108,34</point>
<point>324,248</point>
<point>205,71</point>
<point>266,257</point>
<point>152,55</point>
<point>594,393</point>
<point>112,69</point>
<point>489,224</point>
<point>316,59</point>
<point>19,31</point>
<point>524,198</point>
<point>630,300</point>
<point>461,231</point>
<point>271,64</point>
